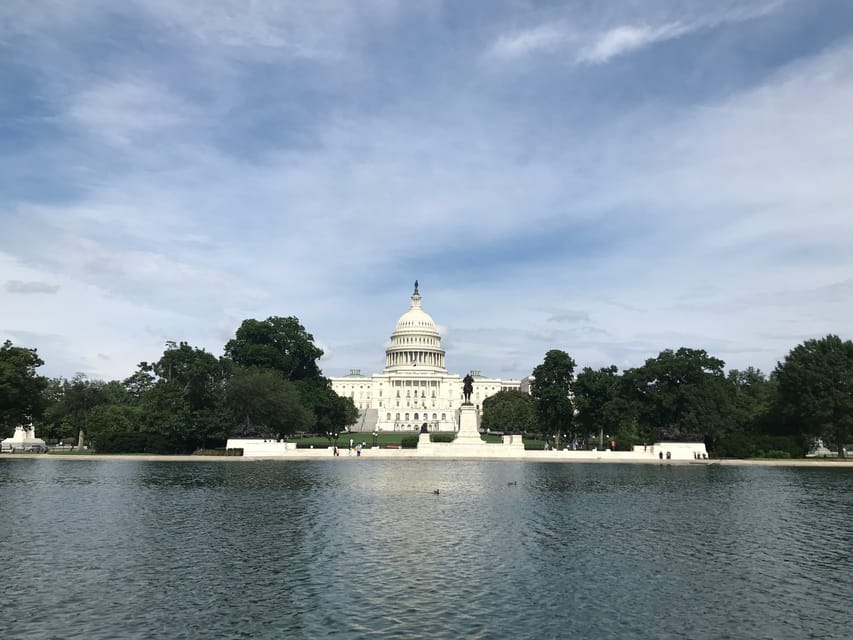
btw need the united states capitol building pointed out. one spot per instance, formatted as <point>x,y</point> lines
<point>415,388</point>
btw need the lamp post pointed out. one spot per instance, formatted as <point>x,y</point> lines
<point>374,439</point>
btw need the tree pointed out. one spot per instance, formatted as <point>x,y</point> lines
<point>276,343</point>
<point>508,411</point>
<point>601,407</point>
<point>754,397</point>
<point>682,395</point>
<point>185,403</point>
<point>21,390</point>
<point>816,389</point>
<point>332,413</point>
<point>79,399</point>
<point>263,404</point>
<point>551,388</point>
<point>140,382</point>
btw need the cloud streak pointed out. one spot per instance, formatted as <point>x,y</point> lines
<point>18,286</point>
<point>626,39</point>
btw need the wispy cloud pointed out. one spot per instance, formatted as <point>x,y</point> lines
<point>131,112</point>
<point>542,38</point>
<point>18,286</point>
<point>583,39</point>
<point>625,39</point>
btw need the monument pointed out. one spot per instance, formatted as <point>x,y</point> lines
<point>24,439</point>
<point>468,431</point>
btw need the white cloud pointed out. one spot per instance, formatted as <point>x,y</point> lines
<point>596,37</point>
<point>131,112</point>
<point>625,39</point>
<point>543,38</point>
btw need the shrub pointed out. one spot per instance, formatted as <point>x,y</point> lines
<point>775,453</point>
<point>219,452</point>
<point>409,442</point>
<point>137,442</point>
<point>442,437</point>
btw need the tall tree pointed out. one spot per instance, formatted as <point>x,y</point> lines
<point>551,388</point>
<point>263,404</point>
<point>816,389</point>
<point>276,343</point>
<point>21,389</point>
<point>54,424</point>
<point>509,410</point>
<point>682,395</point>
<point>602,408</point>
<point>754,397</point>
<point>185,404</point>
<point>332,413</point>
<point>79,399</point>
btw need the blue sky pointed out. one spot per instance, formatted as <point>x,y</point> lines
<point>607,178</point>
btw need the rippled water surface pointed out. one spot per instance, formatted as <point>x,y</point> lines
<point>358,548</point>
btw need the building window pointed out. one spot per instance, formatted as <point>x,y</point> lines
<point>416,416</point>
<point>444,416</point>
<point>387,416</point>
<point>407,416</point>
<point>434,417</point>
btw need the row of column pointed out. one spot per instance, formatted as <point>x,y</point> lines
<point>402,358</point>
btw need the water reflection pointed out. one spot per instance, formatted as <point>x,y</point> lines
<point>138,549</point>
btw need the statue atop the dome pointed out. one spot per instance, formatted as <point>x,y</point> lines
<point>467,388</point>
<point>416,286</point>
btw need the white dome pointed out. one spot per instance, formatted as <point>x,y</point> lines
<point>415,341</point>
<point>416,320</point>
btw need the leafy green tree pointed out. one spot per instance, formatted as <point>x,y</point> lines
<point>54,425</point>
<point>276,343</point>
<point>682,395</point>
<point>816,389</point>
<point>79,398</point>
<point>332,413</point>
<point>21,389</point>
<point>185,402</point>
<point>552,388</point>
<point>509,410</point>
<point>264,404</point>
<point>110,418</point>
<point>603,409</point>
<point>140,382</point>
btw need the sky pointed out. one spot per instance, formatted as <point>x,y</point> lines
<point>607,178</point>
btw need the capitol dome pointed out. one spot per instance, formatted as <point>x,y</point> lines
<point>415,342</point>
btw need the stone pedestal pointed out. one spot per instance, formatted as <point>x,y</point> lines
<point>24,439</point>
<point>468,433</point>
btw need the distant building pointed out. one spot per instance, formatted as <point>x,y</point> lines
<point>415,387</point>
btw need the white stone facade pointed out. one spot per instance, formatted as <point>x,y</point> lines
<point>415,387</point>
